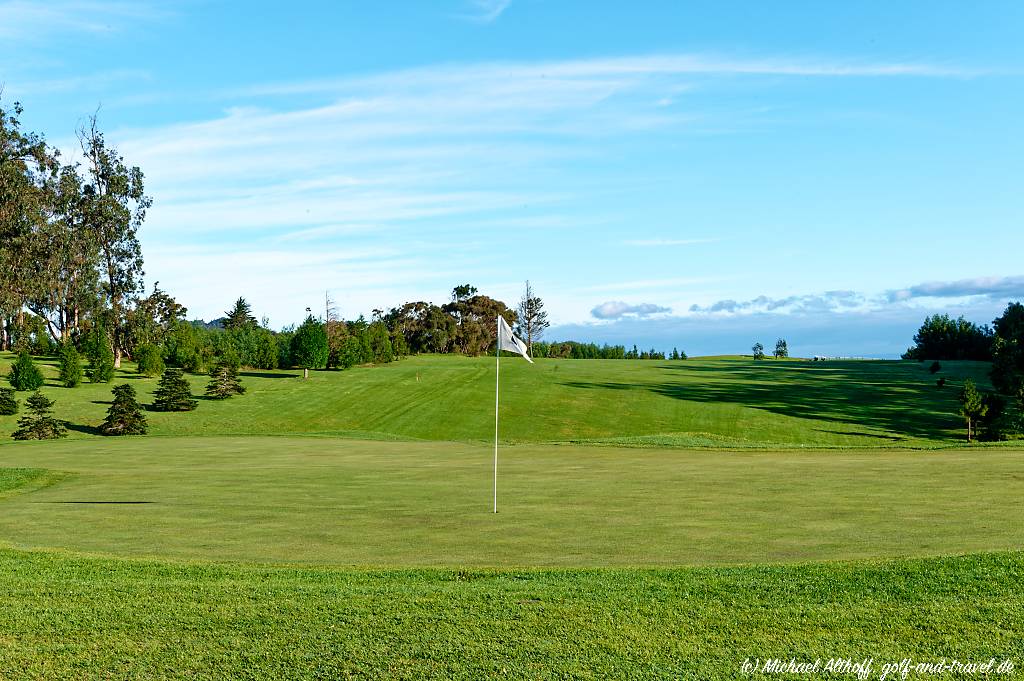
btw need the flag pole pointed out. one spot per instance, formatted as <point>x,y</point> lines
<point>497,376</point>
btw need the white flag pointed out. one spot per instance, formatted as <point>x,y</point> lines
<point>508,341</point>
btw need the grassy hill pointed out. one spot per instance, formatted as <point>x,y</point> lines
<point>705,403</point>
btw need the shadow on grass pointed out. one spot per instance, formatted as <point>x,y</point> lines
<point>896,397</point>
<point>80,428</point>
<point>257,374</point>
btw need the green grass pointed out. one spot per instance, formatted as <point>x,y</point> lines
<point>657,519</point>
<point>69,617</point>
<point>336,501</point>
<point>695,403</point>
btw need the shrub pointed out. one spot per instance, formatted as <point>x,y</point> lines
<point>70,366</point>
<point>38,423</point>
<point>935,368</point>
<point>149,360</point>
<point>25,375</point>
<point>101,361</point>
<point>173,393</point>
<point>125,415</point>
<point>8,405</point>
<point>224,382</point>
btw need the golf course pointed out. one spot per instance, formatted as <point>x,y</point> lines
<point>656,520</point>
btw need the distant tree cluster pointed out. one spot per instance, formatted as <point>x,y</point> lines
<point>941,337</point>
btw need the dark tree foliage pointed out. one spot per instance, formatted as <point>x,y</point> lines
<point>173,393</point>
<point>758,351</point>
<point>149,360</point>
<point>24,374</point>
<point>124,417</point>
<point>1008,352</point>
<point>38,423</point>
<point>935,368</point>
<point>997,422</point>
<point>8,404</point>
<point>309,345</point>
<point>781,349</point>
<point>941,337</point>
<point>239,316</point>
<point>71,372</point>
<point>224,382</point>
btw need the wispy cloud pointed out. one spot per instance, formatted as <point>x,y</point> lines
<point>26,21</point>
<point>617,309</point>
<point>486,11</point>
<point>668,242</point>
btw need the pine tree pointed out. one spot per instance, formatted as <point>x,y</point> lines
<point>239,316</point>
<point>972,405</point>
<point>101,361</point>
<point>125,415</point>
<point>8,405</point>
<point>39,423</point>
<point>70,366</point>
<point>173,393</point>
<point>25,375</point>
<point>224,382</point>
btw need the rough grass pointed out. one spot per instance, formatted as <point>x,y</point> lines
<point>336,501</point>
<point>73,618</point>
<point>694,403</point>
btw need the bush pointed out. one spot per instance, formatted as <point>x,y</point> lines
<point>38,423</point>
<point>173,393</point>
<point>8,405</point>
<point>70,366</point>
<point>101,361</point>
<point>125,415</point>
<point>149,360</point>
<point>935,368</point>
<point>25,375</point>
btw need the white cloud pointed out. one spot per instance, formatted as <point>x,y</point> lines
<point>29,21</point>
<point>617,309</point>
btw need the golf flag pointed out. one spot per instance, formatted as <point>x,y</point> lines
<point>508,341</point>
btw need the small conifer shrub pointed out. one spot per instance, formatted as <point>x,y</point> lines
<point>173,393</point>
<point>38,423</point>
<point>224,382</point>
<point>125,415</point>
<point>8,405</point>
<point>70,366</point>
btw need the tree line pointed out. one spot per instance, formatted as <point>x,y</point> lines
<point>992,415</point>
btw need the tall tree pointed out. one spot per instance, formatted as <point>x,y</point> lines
<point>26,164</point>
<point>533,319</point>
<point>781,349</point>
<point>240,315</point>
<point>758,351</point>
<point>115,207</point>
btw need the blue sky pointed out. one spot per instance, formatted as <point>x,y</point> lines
<point>700,175</point>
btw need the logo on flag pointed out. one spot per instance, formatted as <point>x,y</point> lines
<point>508,341</point>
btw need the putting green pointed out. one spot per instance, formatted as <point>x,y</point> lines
<point>350,502</point>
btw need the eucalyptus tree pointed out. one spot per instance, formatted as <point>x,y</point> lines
<point>115,204</point>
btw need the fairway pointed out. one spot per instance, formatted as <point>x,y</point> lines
<point>349,502</point>
<point>727,402</point>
